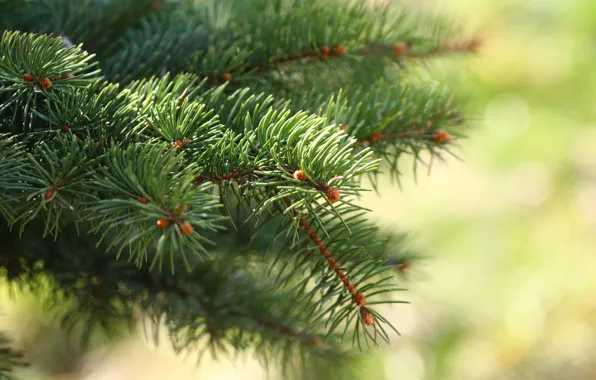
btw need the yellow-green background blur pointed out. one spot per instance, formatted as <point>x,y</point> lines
<point>509,291</point>
<point>509,287</point>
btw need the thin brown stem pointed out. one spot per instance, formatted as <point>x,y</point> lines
<point>468,46</point>
<point>307,56</point>
<point>416,130</point>
<point>336,51</point>
<point>357,297</point>
<point>225,177</point>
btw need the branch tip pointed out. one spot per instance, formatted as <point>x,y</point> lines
<point>358,298</point>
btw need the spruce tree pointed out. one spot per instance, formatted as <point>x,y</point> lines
<point>200,162</point>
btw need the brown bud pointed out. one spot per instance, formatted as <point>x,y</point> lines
<point>332,263</point>
<point>186,229</point>
<point>49,194</point>
<point>400,48</point>
<point>441,136</point>
<point>367,317</point>
<point>360,299</point>
<point>299,175</point>
<point>46,83</point>
<point>375,137</point>
<point>333,194</point>
<point>163,223</point>
<point>339,49</point>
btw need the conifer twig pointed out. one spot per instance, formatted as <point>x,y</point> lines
<point>398,50</point>
<point>358,297</point>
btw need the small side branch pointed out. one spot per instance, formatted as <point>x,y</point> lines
<point>398,51</point>
<point>309,55</point>
<point>358,298</point>
<point>468,46</point>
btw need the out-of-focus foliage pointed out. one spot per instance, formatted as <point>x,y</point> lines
<point>511,231</point>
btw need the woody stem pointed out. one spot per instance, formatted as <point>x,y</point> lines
<point>358,298</point>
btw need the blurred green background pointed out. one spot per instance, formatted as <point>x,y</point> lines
<point>507,289</point>
<point>510,232</point>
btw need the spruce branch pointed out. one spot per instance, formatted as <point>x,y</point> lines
<point>142,51</point>
<point>358,298</point>
<point>31,68</point>
<point>187,125</point>
<point>354,269</point>
<point>398,51</point>
<point>13,169</point>
<point>150,203</point>
<point>89,113</point>
<point>59,176</point>
<point>30,60</point>
<point>391,119</point>
<point>229,147</point>
<point>375,34</point>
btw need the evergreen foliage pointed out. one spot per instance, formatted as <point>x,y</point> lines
<point>201,161</point>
